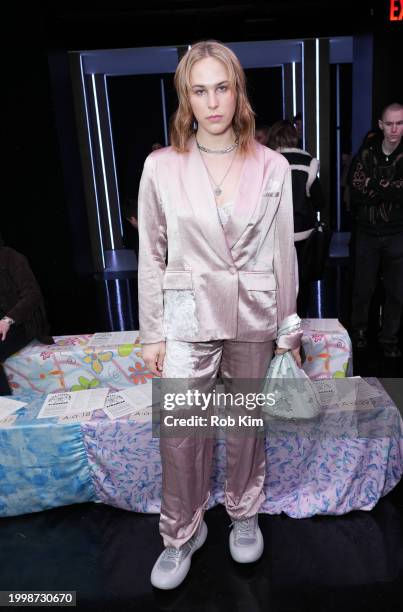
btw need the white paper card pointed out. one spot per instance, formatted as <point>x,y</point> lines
<point>8,406</point>
<point>7,421</point>
<point>326,391</point>
<point>105,339</point>
<point>79,417</point>
<point>141,397</point>
<point>322,325</point>
<point>141,415</point>
<point>72,402</point>
<point>116,406</point>
<point>346,393</point>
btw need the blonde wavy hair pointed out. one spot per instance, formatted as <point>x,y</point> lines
<point>181,126</point>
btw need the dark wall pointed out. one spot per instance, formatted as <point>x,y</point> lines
<point>388,79</point>
<point>137,123</point>
<point>265,93</point>
<point>344,127</point>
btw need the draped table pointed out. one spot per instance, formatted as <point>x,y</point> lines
<point>338,462</point>
<point>71,364</point>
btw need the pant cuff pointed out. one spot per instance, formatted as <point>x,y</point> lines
<point>175,536</point>
<point>247,506</point>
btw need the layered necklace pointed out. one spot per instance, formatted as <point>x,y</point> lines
<point>217,186</point>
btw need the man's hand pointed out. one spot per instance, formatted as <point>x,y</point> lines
<point>295,353</point>
<point>153,357</point>
<point>4,327</point>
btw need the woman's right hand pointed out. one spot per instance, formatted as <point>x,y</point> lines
<point>153,357</point>
<point>4,327</point>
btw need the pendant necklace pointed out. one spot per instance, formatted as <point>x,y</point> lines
<point>217,186</point>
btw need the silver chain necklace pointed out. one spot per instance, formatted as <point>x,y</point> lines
<point>218,151</point>
<point>217,186</point>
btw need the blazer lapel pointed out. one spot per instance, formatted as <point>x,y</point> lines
<point>197,186</point>
<point>250,189</point>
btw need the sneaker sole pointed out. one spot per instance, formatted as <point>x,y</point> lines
<point>180,576</point>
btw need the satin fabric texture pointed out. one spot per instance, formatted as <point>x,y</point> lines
<point>187,460</point>
<point>235,282</point>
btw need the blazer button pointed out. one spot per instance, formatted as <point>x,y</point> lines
<point>232,269</point>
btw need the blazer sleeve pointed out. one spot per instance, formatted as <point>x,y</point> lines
<point>152,255</point>
<point>284,265</point>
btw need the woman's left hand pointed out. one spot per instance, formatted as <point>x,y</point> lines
<point>295,353</point>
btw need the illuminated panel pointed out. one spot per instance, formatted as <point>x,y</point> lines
<point>92,159</point>
<point>303,95</point>
<point>101,148</point>
<point>113,153</point>
<point>164,113</point>
<point>283,89</point>
<point>317,99</point>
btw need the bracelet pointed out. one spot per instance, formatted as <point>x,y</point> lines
<point>8,320</point>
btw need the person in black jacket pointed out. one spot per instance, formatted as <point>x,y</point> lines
<point>376,182</point>
<point>22,312</point>
<point>307,198</point>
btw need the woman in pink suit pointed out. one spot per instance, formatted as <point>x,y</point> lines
<point>220,204</point>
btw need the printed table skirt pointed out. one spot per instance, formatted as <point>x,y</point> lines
<point>338,462</point>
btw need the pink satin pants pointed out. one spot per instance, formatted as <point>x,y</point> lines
<point>186,461</point>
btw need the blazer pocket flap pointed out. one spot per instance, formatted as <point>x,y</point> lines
<point>178,280</point>
<point>258,281</point>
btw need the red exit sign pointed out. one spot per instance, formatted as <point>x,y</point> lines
<point>396,10</point>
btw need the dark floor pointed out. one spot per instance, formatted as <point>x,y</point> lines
<point>323,564</point>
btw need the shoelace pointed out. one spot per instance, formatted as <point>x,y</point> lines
<point>244,527</point>
<point>171,554</point>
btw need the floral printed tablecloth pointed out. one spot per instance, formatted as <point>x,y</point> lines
<point>71,364</point>
<point>335,463</point>
<point>327,348</point>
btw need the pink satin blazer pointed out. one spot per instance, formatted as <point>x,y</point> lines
<point>234,282</point>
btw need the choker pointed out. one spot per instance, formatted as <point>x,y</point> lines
<point>218,151</point>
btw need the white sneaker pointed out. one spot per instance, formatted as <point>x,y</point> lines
<point>173,564</point>
<point>246,540</point>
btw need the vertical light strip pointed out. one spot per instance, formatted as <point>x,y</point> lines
<point>294,91</point>
<point>101,148</point>
<point>283,89</point>
<point>118,304</point>
<point>113,154</point>
<point>108,303</point>
<point>319,299</point>
<point>338,147</point>
<point>164,112</point>
<point>303,94</point>
<point>317,98</point>
<point>92,159</point>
